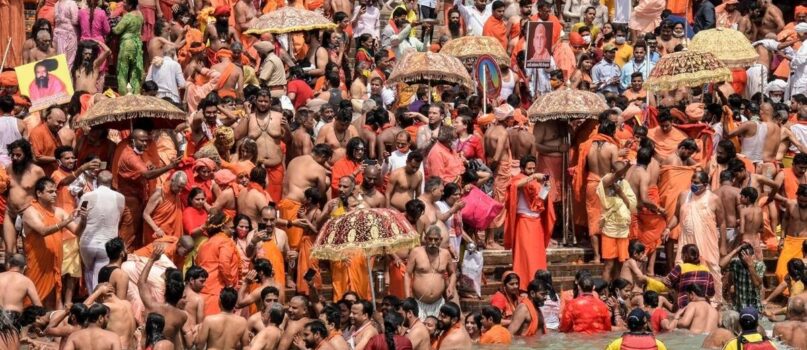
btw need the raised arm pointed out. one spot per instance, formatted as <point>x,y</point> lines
<point>142,283</point>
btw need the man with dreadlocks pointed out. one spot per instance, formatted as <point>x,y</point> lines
<point>86,70</point>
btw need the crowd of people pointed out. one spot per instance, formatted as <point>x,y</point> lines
<point>202,235</point>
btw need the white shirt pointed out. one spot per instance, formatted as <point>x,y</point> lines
<point>368,22</point>
<point>104,210</point>
<point>428,3</point>
<point>474,20</point>
<point>798,66</point>
<point>168,77</point>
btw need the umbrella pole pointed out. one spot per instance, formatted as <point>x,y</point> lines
<point>372,282</point>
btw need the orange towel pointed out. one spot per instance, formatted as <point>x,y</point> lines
<point>45,255</point>
<point>648,226</point>
<point>270,251</point>
<point>790,249</point>
<point>581,183</point>
<point>288,211</point>
<point>790,183</point>
<point>673,180</point>
<point>768,235</point>
<point>496,335</point>
<point>351,276</point>
<point>397,274</point>
<point>305,262</point>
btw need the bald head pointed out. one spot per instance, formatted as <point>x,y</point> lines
<point>104,178</point>
<point>185,245</point>
<point>795,309</point>
<point>17,261</point>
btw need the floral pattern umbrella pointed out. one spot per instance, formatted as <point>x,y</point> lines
<point>729,46</point>
<point>469,48</point>
<point>289,19</point>
<point>374,231</point>
<point>124,111</point>
<point>566,104</point>
<point>430,67</point>
<point>686,68</point>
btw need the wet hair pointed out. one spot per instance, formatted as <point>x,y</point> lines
<point>155,323</point>
<point>351,147</point>
<point>607,127</point>
<point>174,291</point>
<point>650,298</point>
<point>415,207</point>
<point>450,309</point>
<point>795,268</point>
<point>750,193</point>
<point>95,312</point>
<point>545,276</point>
<point>105,273</point>
<point>695,289</point>
<point>689,145</point>
<point>645,155</point>
<point>616,285</point>
<point>258,175</point>
<point>322,150</point>
<point>410,305</point>
<point>317,327</point>
<point>690,254</point>
<point>114,248</point>
<point>492,313</point>
<point>195,272</point>
<point>333,316</point>
<point>30,314</point>
<point>526,160</point>
<point>726,175</point>
<point>800,159</point>
<point>264,267</point>
<point>228,298</point>
<point>637,319</point>
<point>635,247</point>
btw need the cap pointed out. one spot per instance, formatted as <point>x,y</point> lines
<point>609,47</point>
<point>637,319</point>
<point>749,312</point>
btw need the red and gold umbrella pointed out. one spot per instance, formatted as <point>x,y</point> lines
<point>125,111</point>
<point>470,48</point>
<point>566,104</point>
<point>374,231</point>
<point>686,68</point>
<point>289,19</point>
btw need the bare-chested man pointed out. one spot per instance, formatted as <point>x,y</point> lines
<point>750,216</point>
<point>90,56</point>
<point>95,335</point>
<point>23,174</point>
<point>220,34</point>
<point>666,41</point>
<point>254,198</point>
<point>334,6</point>
<point>245,15</point>
<point>43,49</point>
<point>15,287</point>
<point>314,336</point>
<point>417,332</point>
<point>262,276</point>
<point>231,76</point>
<point>175,317</point>
<point>698,316</point>
<point>331,316</point>
<point>454,335</point>
<point>369,188</point>
<point>337,133</point>
<point>310,172</point>
<point>599,162</point>
<point>730,197</point>
<point>118,279</point>
<point>224,330</point>
<point>302,138</point>
<point>269,337</point>
<point>433,192</point>
<point>425,274</point>
<point>268,128</point>
<point>195,279</point>
<point>793,332</point>
<point>296,321</point>
<point>643,180</point>
<point>363,329</point>
<point>270,296</point>
<point>772,20</point>
<point>405,183</point>
<point>522,142</point>
<point>497,150</point>
<point>121,319</point>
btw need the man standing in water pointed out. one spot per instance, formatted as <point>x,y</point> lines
<point>425,271</point>
<point>454,335</point>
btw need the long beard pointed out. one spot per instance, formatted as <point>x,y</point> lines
<point>19,166</point>
<point>454,28</point>
<point>42,82</point>
<point>87,65</point>
<point>222,28</point>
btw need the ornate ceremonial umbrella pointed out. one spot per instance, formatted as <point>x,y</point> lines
<point>124,111</point>
<point>289,19</point>
<point>469,48</point>
<point>686,68</point>
<point>728,45</point>
<point>565,105</point>
<point>428,68</point>
<point>373,231</point>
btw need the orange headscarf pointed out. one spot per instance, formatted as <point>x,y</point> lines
<point>8,79</point>
<point>800,10</point>
<point>224,53</point>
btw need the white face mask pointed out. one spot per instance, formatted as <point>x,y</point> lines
<point>620,40</point>
<point>678,34</point>
<point>587,39</point>
<point>776,99</point>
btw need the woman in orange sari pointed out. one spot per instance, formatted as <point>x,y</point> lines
<point>508,296</point>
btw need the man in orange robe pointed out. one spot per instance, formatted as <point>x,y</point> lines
<point>791,179</point>
<point>158,154</point>
<point>45,138</point>
<point>163,212</point>
<point>351,274</point>
<point>495,333</point>
<point>174,248</point>
<point>495,26</point>
<point>219,257</point>
<point>44,225</point>
<point>528,230</point>
<point>349,165</point>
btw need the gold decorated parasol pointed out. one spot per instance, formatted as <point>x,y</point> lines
<point>122,112</point>
<point>686,68</point>
<point>289,19</point>
<point>469,48</point>
<point>566,104</point>
<point>373,231</point>
<point>430,67</point>
<point>729,46</point>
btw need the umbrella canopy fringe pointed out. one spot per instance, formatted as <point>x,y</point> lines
<point>419,77</point>
<point>91,120</point>
<point>376,248</point>
<point>290,30</point>
<point>665,83</point>
<point>560,116</point>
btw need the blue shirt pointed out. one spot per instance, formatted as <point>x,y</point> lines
<point>602,73</point>
<point>631,67</point>
<point>168,77</point>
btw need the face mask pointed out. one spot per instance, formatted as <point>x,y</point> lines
<point>695,188</point>
<point>620,40</point>
<point>242,232</point>
<point>776,99</point>
<point>678,34</point>
<point>587,39</point>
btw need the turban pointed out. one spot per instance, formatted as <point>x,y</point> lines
<point>263,47</point>
<point>224,53</point>
<point>225,136</point>
<point>21,101</point>
<point>695,111</point>
<point>196,47</point>
<point>221,11</point>
<point>204,162</point>
<point>800,10</point>
<point>8,79</point>
<point>227,93</point>
<point>575,39</point>
<point>503,112</point>
<point>485,119</point>
<point>801,28</point>
<point>777,85</point>
<point>224,177</point>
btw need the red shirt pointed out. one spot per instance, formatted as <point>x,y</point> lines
<point>658,315</point>
<point>379,342</point>
<point>585,314</point>
<point>303,92</point>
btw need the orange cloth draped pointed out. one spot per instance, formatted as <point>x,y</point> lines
<point>44,143</point>
<point>790,183</point>
<point>305,262</point>
<point>681,8</point>
<point>646,15</point>
<point>288,211</point>
<point>225,75</point>
<point>4,183</point>
<point>528,235</point>
<point>397,273</point>
<point>739,78</point>
<point>167,215</point>
<point>44,255</point>
<point>274,181</point>
<point>219,257</point>
<point>501,184</point>
<point>497,29</point>
<point>647,226</point>
<point>270,251</point>
<point>272,5</point>
<point>582,136</point>
<point>496,335</point>
<point>673,179</point>
<point>169,244</point>
<point>128,179</point>
<point>12,27</point>
<point>351,275</point>
<point>565,59</point>
<point>184,54</point>
<point>768,235</point>
<point>553,166</point>
<point>239,167</point>
<point>790,249</point>
<point>532,328</point>
<point>666,143</point>
<point>159,154</point>
<point>64,199</point>
<point>584,184</point>
<point>341,168</point>
<point>729,125</point>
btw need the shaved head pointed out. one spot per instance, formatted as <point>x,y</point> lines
<point>105,178</point>
<point>18,261</point>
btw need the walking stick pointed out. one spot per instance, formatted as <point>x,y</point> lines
<point>5,55</point>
